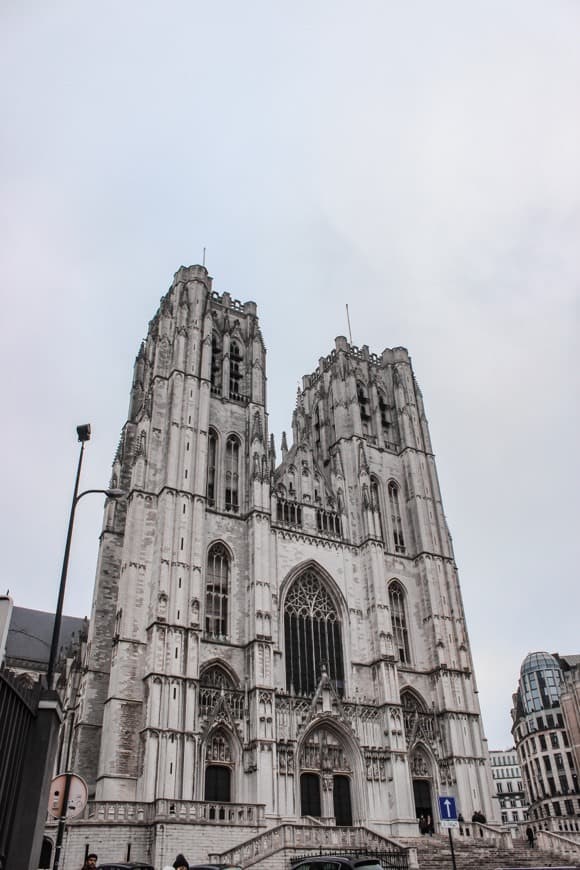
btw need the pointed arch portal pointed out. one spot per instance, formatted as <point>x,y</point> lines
<point>326,778</point>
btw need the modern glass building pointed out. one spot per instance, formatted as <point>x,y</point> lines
<point>546,758</point>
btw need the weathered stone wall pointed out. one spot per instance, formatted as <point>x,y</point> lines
<point>359,428</point>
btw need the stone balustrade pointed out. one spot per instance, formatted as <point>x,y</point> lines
<point>309,838</point>
<point>568,847</point>
<point>201,812</point>
<point>482,831</point>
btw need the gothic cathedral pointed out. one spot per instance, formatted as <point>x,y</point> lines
<point>278,641</point>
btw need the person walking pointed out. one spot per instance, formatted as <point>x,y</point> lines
<point>530,836</point>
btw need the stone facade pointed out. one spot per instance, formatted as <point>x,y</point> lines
<point>509,788</point>
<point>287,637</point>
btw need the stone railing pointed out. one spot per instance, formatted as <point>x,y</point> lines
<point>481,831</point>
<point>307,838</point>
<point>565,846</point>
<point>194,812</point>
<point>566,826</point>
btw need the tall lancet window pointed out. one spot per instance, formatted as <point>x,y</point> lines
<point>216,363</point>
<point>217,580</point>
<point>313,636</point>
<point>363,402</point>
<point>236,371</point>
<point>399,621</point>
<point>397,525</point>
<point>376,507</point>
<point>211,467</point>
<point>232,474</point>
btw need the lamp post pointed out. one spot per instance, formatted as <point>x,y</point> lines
<point>84,434</point>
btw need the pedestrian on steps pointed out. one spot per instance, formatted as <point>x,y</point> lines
<point>530,836</point>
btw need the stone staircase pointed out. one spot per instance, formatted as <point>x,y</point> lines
<point>434,853</point>
<point>276,848</point>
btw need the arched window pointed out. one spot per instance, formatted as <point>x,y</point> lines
<point>211,467</point>
<point>216,677</point>
<point>317,428</point>
<point>331,418</point>
<point>313,636</point>
<point>232,474</point>
<point>216,363</point>
<point>363,402</point>
<point>236,371</point>
<point>217,591</point>
<point>399,621</point>
<point>376,506</point>
<point>398,539</point>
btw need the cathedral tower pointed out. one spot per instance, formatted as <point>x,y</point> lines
<point>288,637</point>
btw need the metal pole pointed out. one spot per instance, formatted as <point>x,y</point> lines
<point>61,822</point>
<point>452,852</point>
<point>59,606</point>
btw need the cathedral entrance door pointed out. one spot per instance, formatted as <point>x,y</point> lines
<point>310,795</point>
<point>422,795</point>
<point>342,804</point>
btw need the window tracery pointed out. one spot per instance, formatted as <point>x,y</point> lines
<point>236,371</point>
<point>399,621</point>
<point>216,363</point>
<point>232,475</point>
<point>212,443</point>
<point>313,636</point>
<point>217,591</point>
<point>397,525</point>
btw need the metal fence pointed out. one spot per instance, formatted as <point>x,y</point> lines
<point>18,706</point>
<point>387,860</point>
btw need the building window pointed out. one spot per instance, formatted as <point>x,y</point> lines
<point>399,621</point>
<point>328,521</point>
<point>211,467</point>
<point>288,512</point>
<point>363,403</point>
<point>217,591</point>
<point>236,371</point>
<point>216,364</point>
<point>313,636</point>
<point>397,525</point>
<point>232,481</point>
<point>376,506</point>
<point>317,428</point>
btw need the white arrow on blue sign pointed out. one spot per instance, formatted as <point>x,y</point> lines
<point>447,808</point>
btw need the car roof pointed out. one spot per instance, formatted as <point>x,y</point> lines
<point>120,865</point>
<point>346,860</point>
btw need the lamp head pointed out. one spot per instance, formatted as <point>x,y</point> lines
<point>116,493</point>
<point>84,432</point>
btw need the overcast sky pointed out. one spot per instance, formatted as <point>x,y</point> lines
<point>418,161</point>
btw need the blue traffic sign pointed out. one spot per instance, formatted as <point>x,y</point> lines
<point>447,808</point>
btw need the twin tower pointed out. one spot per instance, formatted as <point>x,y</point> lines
<point>283,636</point>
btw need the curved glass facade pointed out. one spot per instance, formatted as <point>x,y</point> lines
<point>540,679</point>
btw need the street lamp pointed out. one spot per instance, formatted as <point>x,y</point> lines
<point>84,434</point>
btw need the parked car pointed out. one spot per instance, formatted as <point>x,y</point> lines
<point>214,867</point>
<point>337,862</point>
<point>120,865</point>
